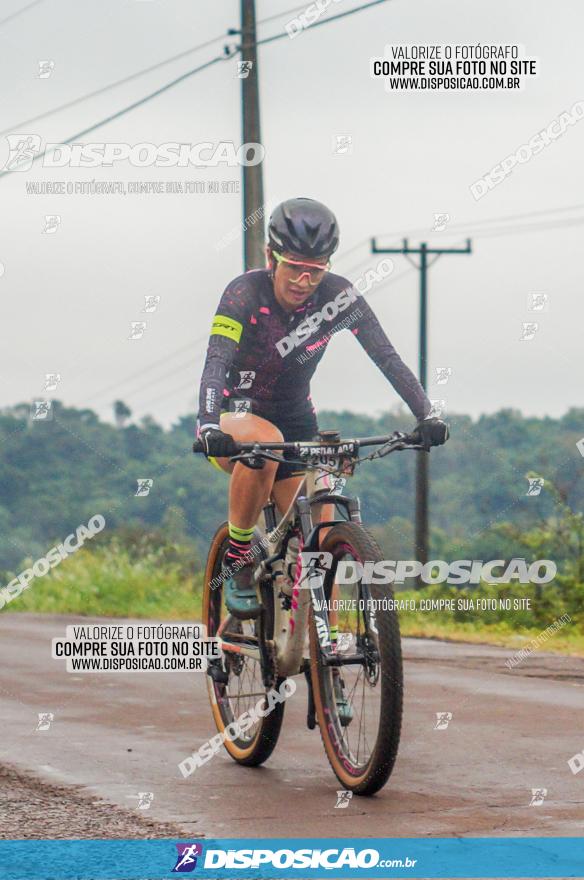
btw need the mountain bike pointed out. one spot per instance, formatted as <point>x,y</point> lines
<point>343,636</point>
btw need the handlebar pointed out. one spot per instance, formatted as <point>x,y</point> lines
<point>398,440</point>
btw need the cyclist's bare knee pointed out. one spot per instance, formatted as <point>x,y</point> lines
<point>245,429</point>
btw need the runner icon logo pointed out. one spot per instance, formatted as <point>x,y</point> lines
<point>187,857</point>
<point>343,798</point>
<point>442,720</point>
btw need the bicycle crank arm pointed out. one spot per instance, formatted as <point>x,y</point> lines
<point>311,711</point>
<point>338,660</point>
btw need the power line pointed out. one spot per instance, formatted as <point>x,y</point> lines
<point>133,76</point>
<point>472,224</point>
<point>127,109</point>
<point>533,227</point>
<point>185,76</point>
<point>463,226</point>
<point>282,14</point>
<point>20,11</point>
<point>361,264</point>
<point>323,21</point>
<point>140,372</point>
<point>103,89</point>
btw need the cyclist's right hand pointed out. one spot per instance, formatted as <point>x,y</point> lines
<point>217,443</point>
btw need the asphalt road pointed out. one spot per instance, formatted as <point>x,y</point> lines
<point>115,735</point>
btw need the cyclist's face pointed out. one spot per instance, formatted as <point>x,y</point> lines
<point>295,282</point>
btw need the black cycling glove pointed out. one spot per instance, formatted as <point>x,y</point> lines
<point>432,432</point>
<point>217,443</point>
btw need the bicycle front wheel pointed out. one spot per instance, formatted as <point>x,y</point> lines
<point>358,706</point>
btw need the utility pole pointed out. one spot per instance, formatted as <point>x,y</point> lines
<point>253,185</point>
<point>422,463</point>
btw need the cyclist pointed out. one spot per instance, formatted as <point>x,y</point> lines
<point>269,333</point>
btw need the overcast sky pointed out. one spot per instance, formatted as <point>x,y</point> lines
<point>68,299</point>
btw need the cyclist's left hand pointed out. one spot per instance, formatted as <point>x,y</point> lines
<point>432,432</point>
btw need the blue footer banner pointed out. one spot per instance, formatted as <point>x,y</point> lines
<point>284,858</point>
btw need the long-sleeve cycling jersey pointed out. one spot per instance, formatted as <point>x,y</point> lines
<point>260,353</point>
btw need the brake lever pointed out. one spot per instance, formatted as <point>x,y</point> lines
<point>392,446</point>
<point>256,461</point>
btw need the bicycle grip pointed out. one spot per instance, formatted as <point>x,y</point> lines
<point>198,446</point>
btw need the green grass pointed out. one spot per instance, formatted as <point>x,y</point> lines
<point>564,641</point>
<point>154,582</point>
<point>508,628</point>
<point>110,583</point>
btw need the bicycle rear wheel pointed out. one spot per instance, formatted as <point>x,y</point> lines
<point>358,707</point>
<point>237,686</point>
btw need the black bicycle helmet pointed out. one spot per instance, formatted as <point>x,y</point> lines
<point>305,227</point>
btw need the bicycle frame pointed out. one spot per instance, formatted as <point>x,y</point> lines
<point>290,624</point>
<point>319,487</point>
